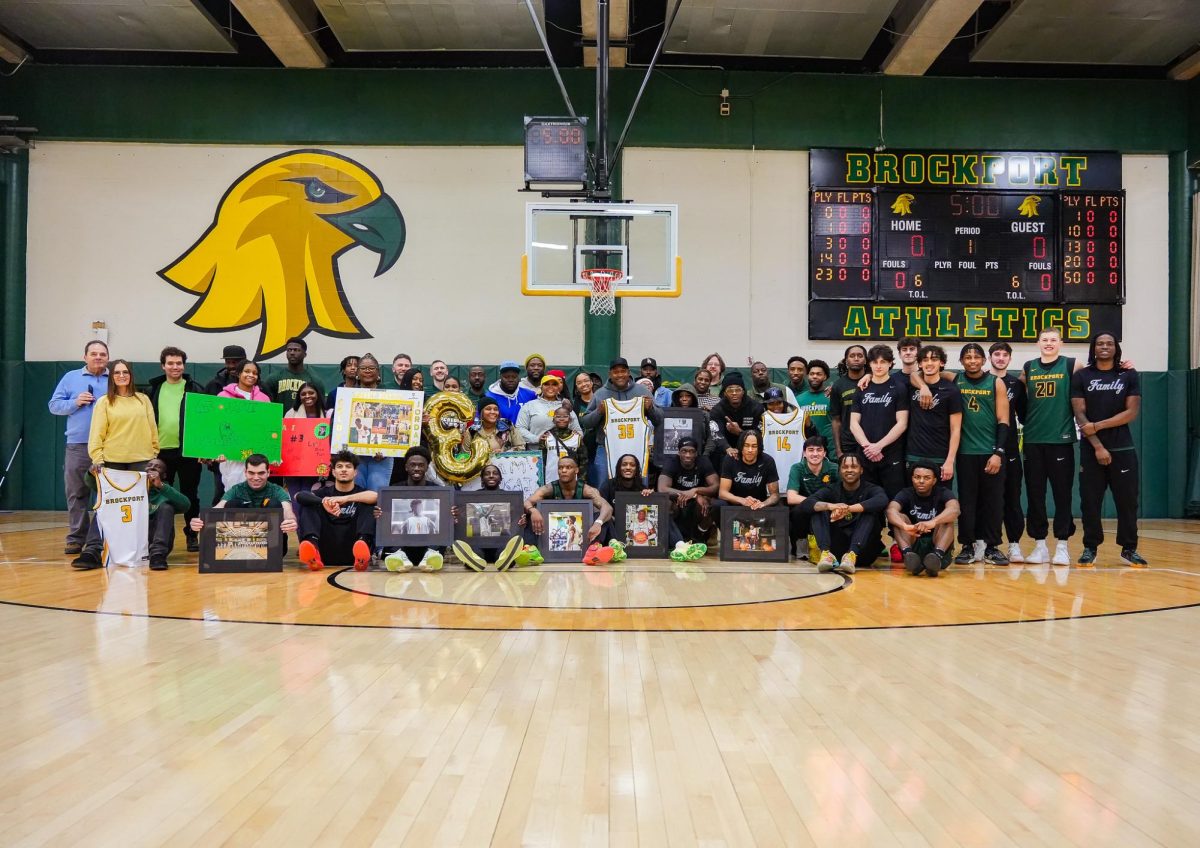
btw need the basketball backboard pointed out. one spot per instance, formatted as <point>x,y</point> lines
<point>564,242</point>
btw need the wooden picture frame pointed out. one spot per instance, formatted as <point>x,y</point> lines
<point>670,430</point>
<point>754,535</point>
<point>555,542</point>
<point>488,519</point>
<point>395,527</point>
<point>241,541</point>
<point>648,538</point>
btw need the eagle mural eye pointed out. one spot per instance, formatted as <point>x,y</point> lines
<point>270,255</point>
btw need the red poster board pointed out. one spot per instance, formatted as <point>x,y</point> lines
<point>305,448</point>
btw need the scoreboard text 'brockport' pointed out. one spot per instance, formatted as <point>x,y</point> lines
<point>965,169</point>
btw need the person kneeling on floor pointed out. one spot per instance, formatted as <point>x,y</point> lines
<point>257,492</point>
<point>922,518</point>
<point>338,526</point>
<point>845,518</point>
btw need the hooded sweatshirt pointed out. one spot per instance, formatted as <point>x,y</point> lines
<point>510,404</point>
<point>594,417</point>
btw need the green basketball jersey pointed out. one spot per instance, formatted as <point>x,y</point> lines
<point>1048,418</point>
<point>979,414</point>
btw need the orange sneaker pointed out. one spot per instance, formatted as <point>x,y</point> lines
<point>598,554</point>
<point>310,556</point>
<point>362,556</point>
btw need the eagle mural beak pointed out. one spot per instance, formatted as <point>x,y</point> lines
<point>378,226</point>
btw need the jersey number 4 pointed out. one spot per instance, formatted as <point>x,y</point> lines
<point>972,403</point>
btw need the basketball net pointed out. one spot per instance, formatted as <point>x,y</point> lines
<point>604,282</point>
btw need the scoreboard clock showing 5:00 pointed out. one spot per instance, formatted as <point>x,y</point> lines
<point>958,228</point>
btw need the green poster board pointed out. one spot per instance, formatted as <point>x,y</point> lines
<point>231,427</point>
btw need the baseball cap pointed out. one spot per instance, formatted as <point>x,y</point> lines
<point>619,362</point>
<point>773,393</point>
<point>233,352</point>
<point>649,362</point>
<point>551,378</point>
<point>509,365</point>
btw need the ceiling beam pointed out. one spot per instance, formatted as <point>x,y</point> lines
<point>928,26</point>
<point>285,27</point>
<point>12,52</point>
<point>618,30</point>
<point>1187,68</point>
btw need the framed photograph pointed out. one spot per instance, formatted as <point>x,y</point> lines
<point>754,535</point>
<point>678,422</point>
<point>642,524</point>
<point>415,515</point>
<point>241,541</point>
<point>488,519</point>
<point>371,421</point>
<point>564,536</point>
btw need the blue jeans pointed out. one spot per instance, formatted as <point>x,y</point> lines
<point>374,473</point>
<point>598,471</point>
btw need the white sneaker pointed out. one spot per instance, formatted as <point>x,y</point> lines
<point>1062,556</point>
<point>397,561</point>
<point>1040,555</point>
<point>432,561</point>
<point>980,548</point>
<point>1014,552</point>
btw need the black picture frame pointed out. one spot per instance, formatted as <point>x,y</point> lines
<point>773,517</point>
<point>659,514</point>
<point>666,438</point>
<point>257,531</point>
<point>395,504</point>
<point>549,543</point>
<point>467,527</point>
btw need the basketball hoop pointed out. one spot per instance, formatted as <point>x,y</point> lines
<point>604,281</point>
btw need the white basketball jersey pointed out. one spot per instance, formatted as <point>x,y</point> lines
<point>626,430</point>
<point>123,510</point>
<point>783,440</point>
<point>557,446</point>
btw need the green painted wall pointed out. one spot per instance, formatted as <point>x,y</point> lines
<point>484,107</point>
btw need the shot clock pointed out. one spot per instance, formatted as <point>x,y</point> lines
<point>555,150</point>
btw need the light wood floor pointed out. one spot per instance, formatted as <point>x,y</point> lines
<point>727,704</point>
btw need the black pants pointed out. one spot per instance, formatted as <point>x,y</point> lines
<point>980,499</point>
<point>218,483</point>
<point>188,470</point>
<point>1121,478</point>
<point>686,521</point>
<point>335,539</point>
<point>800,524</point>
<point>162,531</point>
<point>887,473</point>
<point>1054,464</point>
<point>858,534</point>
<point>1014,477</point>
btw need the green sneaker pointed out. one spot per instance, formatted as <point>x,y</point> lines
<point>397,561</point>
<point>529,555</point>
<point>467,556</point>
<point>679,552</point>
<point>432,561</point>
<point>619,553</point>
<point>508,554</point>
<point>695,551</point>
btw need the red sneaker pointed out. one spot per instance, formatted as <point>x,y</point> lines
<point>598,554</point>
<point>310,556</point>
<point>362,555</point>
<point>894,553</point>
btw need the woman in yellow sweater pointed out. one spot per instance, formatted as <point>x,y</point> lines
<point>124,434</point>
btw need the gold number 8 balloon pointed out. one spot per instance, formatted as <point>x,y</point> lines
<point>456,458</point>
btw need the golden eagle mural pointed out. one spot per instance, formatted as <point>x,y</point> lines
<point>270,255</point>
<point>903,204</point>
<point>1029,206</point>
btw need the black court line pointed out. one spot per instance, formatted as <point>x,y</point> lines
<point>332,581</point>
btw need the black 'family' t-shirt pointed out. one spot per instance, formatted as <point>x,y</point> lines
<point>920,508</point>
<point>878,404</point>
<point>929,429</point>
<point>1104,394</point>
<point>683,479</point>
<point>749,481</point>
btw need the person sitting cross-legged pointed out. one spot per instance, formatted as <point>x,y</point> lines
<point>416,463</point>
<point>569,486</point>
<point>337,526</point>
<point>257,492</point>
<point>804,479</point>
<point>692,483</point>
<point>504,558</point>
<point>845,518</point>
<point>922,518</point>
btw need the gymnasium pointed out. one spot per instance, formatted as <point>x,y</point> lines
<point>472,191</point>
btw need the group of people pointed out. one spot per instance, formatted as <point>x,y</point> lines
<point>865,447</point>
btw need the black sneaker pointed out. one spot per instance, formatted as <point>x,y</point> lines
<point>1133,559</point>
<point>933,564</point>
<point>86,561</point>
<point>193,543</point>
<point>158,565</point>
<point>912,562</point>
<point>1088,557</point>
<point>966,556</point>
<point>994,556</point>
<point>73,549</point>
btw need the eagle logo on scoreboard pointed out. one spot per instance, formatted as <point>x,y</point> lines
<point>1029,206</point>
<point>903,204</point>
<point>270,256</point>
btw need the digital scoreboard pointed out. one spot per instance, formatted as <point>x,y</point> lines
<point>964,245</point>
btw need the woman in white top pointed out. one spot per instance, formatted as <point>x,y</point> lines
<point>536,418</point>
